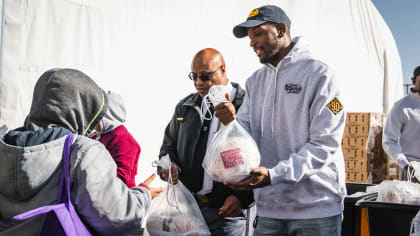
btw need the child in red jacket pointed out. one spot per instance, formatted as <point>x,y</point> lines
<point>122,146</point>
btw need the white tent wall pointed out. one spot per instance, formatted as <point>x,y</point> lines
<point>143,50</point>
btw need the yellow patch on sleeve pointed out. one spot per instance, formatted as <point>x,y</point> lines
<point>180,118</point>
<point>335,106</point>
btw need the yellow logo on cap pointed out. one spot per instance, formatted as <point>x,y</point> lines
<point>253,13</point>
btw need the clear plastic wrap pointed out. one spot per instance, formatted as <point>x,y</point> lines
<point>175,212</point>
<point>231,155</point>
<point>396,191</point>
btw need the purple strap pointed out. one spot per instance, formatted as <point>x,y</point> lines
<point>65,175</point>
<point>64,210</point>
<point>37,211</point>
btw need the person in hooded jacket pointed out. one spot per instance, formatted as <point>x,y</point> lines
<point>66,101</point>
<point>122,146</point>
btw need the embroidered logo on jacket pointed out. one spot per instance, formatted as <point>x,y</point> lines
<point>293,88</point>
<point>335,106</point>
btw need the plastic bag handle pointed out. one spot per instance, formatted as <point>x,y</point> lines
<point>409,175</point>
<point>171,186</point>
<point>163,163</point>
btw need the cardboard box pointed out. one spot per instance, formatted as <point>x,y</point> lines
<point>356,130</point>
<point>393,169</point>
<point>355,153</point>
<point>359,123</point>
<point>354,142</point>
<point>357,165</point>
<point>357,176</point>
<point>363,118</point>
<point>364,157</point>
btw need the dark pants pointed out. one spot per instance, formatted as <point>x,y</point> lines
<point>223,226</point>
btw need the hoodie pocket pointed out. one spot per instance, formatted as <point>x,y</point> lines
<point>319,188</point>
<point>276,195</point>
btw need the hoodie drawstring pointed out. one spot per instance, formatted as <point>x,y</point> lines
<point>273,106</point>
<point>263,109</point>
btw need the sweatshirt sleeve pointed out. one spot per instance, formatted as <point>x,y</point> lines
<point>102,200</point>
<point>325,134</point>
<point>391,136</point>
<point>243,113</point>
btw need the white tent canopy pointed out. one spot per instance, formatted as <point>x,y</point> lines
<point>143,50</point>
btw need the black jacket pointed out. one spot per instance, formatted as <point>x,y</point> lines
<point>180,140</point>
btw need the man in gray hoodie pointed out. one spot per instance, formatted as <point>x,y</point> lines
<point>402,128</point>
<point>65,101</point>
<point>293,111</point>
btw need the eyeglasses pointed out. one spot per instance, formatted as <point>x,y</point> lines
<point>203,77</point>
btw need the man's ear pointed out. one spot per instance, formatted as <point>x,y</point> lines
<point>281,29</point>
<point>413,80</point>
<point>223,69</point>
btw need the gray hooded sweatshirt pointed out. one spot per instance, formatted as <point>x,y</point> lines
<point>402,130</point>
<point>115,115</point>
<point>65,101</point>
<point>287,110</point>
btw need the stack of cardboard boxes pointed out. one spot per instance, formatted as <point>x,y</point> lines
<point>356,134</point>
<point>362,149</point>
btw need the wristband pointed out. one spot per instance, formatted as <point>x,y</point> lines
<point>144,186</point>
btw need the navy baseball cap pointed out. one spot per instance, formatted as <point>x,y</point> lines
<point>258,16</point>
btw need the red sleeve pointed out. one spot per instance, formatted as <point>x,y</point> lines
<point>125,153</point>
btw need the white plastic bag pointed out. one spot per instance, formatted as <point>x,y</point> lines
<point>396,191</point>
<point>232,152</point>
<point>175,211</point>
<point>231,155</point>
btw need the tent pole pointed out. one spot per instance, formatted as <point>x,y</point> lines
<point>3,23</point>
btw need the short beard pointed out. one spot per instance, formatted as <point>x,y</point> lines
<point>270,58</point>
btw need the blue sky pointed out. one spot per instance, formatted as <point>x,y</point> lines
<point>403,18</point>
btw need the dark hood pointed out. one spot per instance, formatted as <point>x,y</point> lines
<point>66,98</point>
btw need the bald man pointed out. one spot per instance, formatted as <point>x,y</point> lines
<point>185,141</point>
